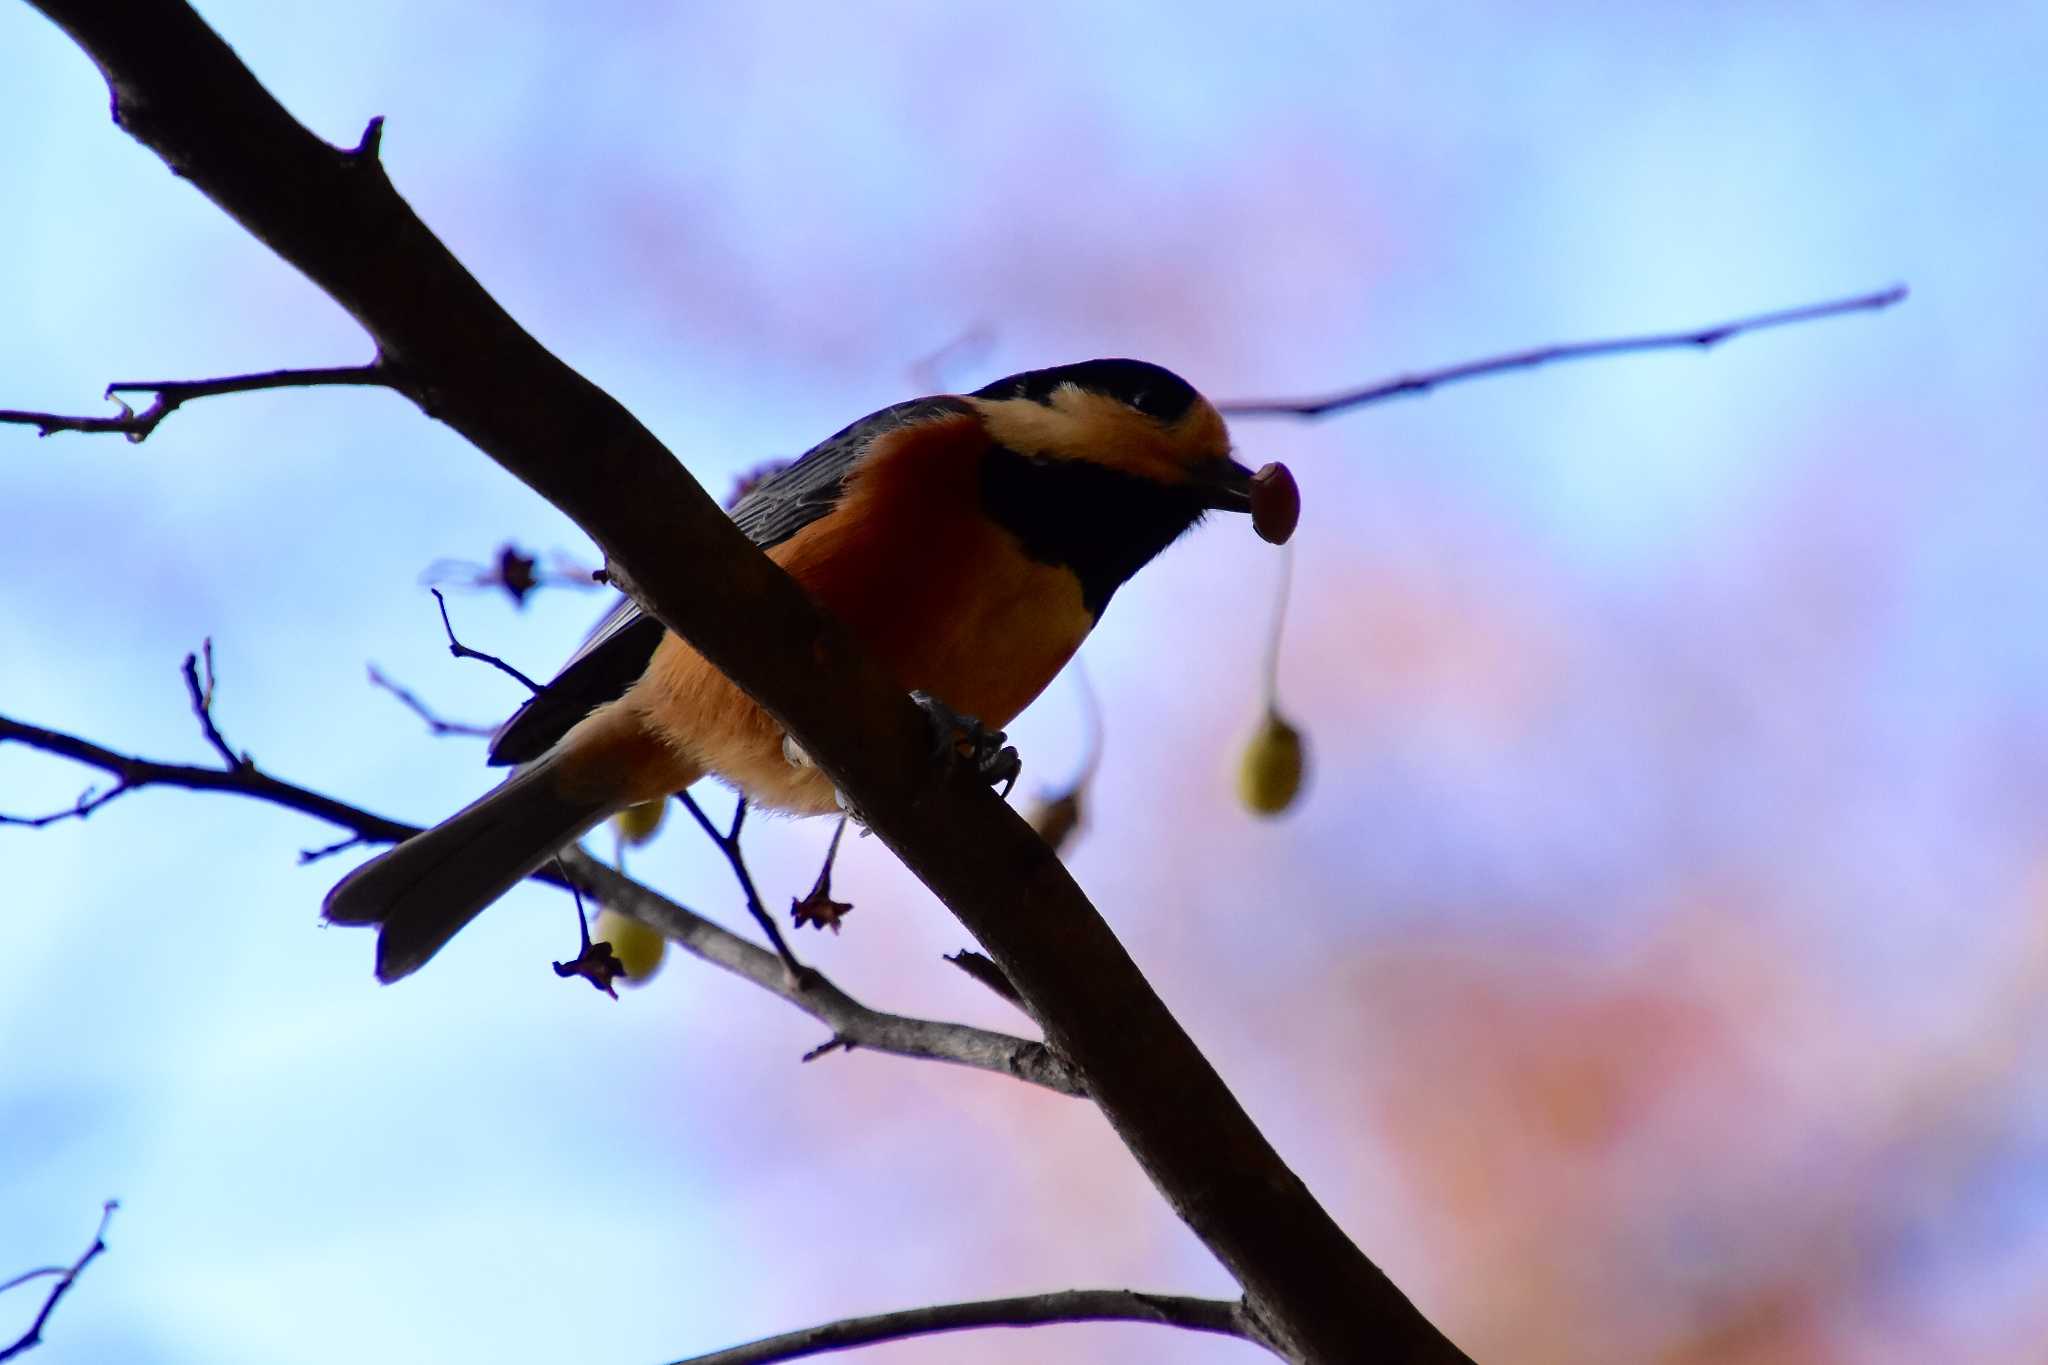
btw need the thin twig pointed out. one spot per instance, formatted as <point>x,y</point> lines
<point>463,651</point>
<point>133,774</point>
<point>25,1276</point>
<point>314,855</point>
<point>1221,1316</point>
<point>729,844</point>
<point>434,722</point>
<point>1416,384</point>
<point>202,707</point>
<point>1279,625</point>
<point>852,1023</point>
<point>67,1277</point>
<point>172,394</point>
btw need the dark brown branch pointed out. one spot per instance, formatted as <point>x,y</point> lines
<point>66,1277</point>
<point>1414,385</point>
<point>333,214</point>
<point>852,1023</point>
<point>172,394</point>
<point>1031,1310</point>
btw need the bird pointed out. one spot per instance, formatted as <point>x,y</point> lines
<point>970,542</point>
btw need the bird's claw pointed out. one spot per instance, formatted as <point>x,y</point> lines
<point>963,736</point>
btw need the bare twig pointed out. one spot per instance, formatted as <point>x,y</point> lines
<point>1700,338</point>
<point>172,394</point>
<point>1221,1316</point>
<point>463,651</point>
<point>314,855</point>
<point>412,703</point>
<point>40,1272</point>
<point>67,1276</point>
<point>728,843</point>
<point>1277,628</point>
<point>852,1023</point>
<point>202,707</point>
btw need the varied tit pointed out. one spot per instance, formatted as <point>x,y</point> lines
<point>970,542</point>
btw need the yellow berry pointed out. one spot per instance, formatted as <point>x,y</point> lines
<point>638,948</point>
<point>637,824</point>
<point>1270,770</point>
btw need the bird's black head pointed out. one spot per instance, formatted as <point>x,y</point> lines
<point>1143,387</point>
<point>1101,465</point>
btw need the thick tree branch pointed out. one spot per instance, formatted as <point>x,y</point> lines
<point>1415,385</point>
<point>333,214</point>
<point>1031,1310</point>
<point>66,1277</point>
<point>853,1024</point>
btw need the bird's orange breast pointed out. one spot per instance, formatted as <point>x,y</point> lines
<point>942,596</point>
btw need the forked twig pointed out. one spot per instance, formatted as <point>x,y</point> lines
<point>66,1277</point>
<point>728,843</point>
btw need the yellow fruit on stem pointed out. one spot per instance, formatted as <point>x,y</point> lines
<point>1270,770</point>
<point>636,824</point>
<point>638,948</point>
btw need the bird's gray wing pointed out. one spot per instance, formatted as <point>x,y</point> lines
<point>617,650</point>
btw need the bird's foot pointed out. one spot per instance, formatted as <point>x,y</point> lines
<point>963,736</point>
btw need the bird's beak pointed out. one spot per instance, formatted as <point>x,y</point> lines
<point>1224,485</point>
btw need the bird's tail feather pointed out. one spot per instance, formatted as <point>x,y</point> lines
<point>426,889</point>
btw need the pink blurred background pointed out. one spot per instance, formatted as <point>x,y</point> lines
<point>1653,969</point>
